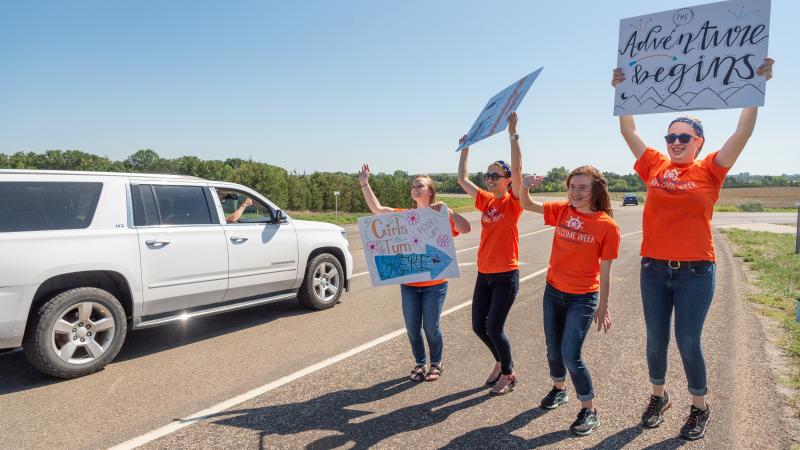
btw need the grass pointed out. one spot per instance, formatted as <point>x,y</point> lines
<point>735,208</point>
<point>457,203</point>
<point>329,217</point>
<point>772,258</point>
<point>770,197</point>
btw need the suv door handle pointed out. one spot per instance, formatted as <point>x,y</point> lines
<point>155,243</point>
<point>238,239</point>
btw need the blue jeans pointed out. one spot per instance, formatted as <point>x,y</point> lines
<point>567,320</point>
<point>422,308</point>
<point>491,302</point>
<point>688,290</point>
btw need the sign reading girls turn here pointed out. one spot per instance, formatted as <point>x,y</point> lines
<point>703,57</point>
<point>409,246</point>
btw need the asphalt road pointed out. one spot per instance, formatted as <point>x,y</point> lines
<point>307,399</point>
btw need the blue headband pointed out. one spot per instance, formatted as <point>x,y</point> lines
<point>697,127</point>
<point>505,166</point>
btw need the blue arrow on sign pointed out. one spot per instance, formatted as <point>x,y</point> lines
<point>402,264</point>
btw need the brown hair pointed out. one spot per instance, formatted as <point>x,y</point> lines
<point>431,187</point>
<point>503,166</point>
<point>600,199</point>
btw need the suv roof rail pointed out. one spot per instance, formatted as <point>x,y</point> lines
<point>106,174</point>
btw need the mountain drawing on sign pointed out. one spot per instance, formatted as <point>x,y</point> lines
<point>705,99</point>
<point>433,260</point>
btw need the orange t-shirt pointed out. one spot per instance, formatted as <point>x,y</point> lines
<point>431,282</point>
<point>680,201</point>
<point>579,243</point>
<point>499,246</point>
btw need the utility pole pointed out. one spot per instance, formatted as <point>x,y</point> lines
<point>797,236</point>
<point>336,197</point>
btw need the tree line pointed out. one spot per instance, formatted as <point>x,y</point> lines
<point>312,192</point>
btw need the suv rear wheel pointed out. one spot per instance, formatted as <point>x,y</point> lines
<point>76,333</point>
<point>323,283</point>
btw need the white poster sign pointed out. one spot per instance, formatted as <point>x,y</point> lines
<point>408,246</point>
<point>703,57</point>
<point>494,117</point>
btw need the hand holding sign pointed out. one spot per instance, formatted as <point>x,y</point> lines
<point>493,118</point>
<point>703,57</point>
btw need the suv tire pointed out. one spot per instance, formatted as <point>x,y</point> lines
<point>323,283</point>
<point>76,333</point>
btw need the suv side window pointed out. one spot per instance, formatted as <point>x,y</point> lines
<point>182,205</point>
<point>145,212</point>
<point>257,212</point>
<point>39,206</point>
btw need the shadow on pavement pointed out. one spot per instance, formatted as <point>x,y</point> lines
<point>500,435</point>
<point>18,375</point>
<point>620,439</point>
<point>332,412</point>
<point>666,444</point>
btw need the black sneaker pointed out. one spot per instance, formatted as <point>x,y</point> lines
<point>695,426</point>
<point>652,416</point>
<point>586,422</point>
<point>554,398</point>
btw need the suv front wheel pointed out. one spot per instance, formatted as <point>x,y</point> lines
<point>323,283</point>
<point>76,333</point>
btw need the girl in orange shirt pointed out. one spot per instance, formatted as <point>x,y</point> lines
<point>498,268</point>
<point>585,242</point>
<point>678,268</point>
<point>422,301</point>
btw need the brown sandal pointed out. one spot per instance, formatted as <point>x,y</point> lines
<point>434,374</point>
<point>417,374</point>
<point>504,389</point>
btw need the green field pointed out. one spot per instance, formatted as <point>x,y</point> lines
<point>772,259</point>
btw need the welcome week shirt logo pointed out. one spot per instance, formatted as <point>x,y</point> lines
<point>491,216</point>
<point>670,181</point>
<point>570,230</point>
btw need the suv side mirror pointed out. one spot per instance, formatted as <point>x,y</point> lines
<point>280,216</point>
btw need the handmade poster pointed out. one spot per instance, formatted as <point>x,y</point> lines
<point>494,117</point>
<point>408,246</point>
<point>703,57</point>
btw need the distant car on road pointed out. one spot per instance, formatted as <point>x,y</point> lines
<point>87,256</point>
<point>630,199</point>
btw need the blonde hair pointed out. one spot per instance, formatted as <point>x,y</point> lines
<point>431,187</point>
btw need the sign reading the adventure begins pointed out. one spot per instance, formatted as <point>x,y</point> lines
<point>704,57</point>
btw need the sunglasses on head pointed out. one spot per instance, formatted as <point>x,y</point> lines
<point>684,138</point>
<point>493,176</point>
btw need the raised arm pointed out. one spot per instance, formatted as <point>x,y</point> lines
<point>516,156</point>
<point>236,215</point>
<point>733,147</point>
<point>372,201</point>
<point>463,181</point>
<point>520,189</point>
<point>627,126</point>
<point>525,198</point>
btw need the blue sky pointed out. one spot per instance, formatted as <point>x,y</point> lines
<point>327,85</point>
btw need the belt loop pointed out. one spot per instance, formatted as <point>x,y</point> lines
<point>677,264</point>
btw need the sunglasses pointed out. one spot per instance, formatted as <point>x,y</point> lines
<point>684,138</point>
<point>493,176</point>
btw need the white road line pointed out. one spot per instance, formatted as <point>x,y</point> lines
<point>630,234</point>
<point>227,404</point>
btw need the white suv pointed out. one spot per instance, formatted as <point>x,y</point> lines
<point>84,256</point>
